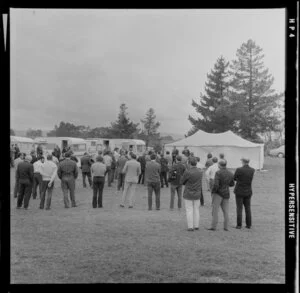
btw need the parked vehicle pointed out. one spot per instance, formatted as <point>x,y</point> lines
<point>77,145</point>
<point>25,144</point>
<point>136,145</point>
<point>278,152</point>
<point>92,145</point>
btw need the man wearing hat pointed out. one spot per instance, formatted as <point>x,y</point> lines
<point>243,192</point>
<point>68,172</point>
<point>24,175</point>
<point>220,193</point>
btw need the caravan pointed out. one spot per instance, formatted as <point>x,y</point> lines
<point>25,144</point>
<point>77,145</point>
<point>136,145</point>
<point>92,145</point>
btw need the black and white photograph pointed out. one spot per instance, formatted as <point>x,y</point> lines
<point>148,146</point>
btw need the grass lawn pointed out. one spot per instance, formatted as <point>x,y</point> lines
<point>115,245</point>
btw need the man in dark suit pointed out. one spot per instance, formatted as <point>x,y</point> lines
<point>86,169</point>
<point>243,192</point>
<point>24,176</point>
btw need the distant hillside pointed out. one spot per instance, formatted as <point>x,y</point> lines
<point>175,136</point>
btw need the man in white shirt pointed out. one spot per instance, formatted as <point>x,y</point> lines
<point>48,171</point>
<point>108,161</point>
<point>211,171</point>
<point>37,177</point>
<point>132,171</point>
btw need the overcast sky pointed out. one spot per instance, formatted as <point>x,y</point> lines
<point>78,66</point>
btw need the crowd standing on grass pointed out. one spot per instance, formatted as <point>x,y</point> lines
<point>182,173</point>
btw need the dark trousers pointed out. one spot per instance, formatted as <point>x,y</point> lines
<point>37,182</point>
<point>163,177</point>
<point>98,184</point>
<point>46,188</point>
<point>25,188</point>
<point>154,186</point>
<point>246,202</point>
<point>142,177</point>
<point>177,188</point>
<point>121,177</point>
<point>89,176</point>
<point>201,198</point>
<point>68,183</point>
<point>112,175</point>
<point>16,189</point>
<point>108,172</point>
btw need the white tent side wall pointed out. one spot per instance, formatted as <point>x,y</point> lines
<point>232,154</point>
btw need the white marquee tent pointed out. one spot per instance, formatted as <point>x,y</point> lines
<point>231,145</point>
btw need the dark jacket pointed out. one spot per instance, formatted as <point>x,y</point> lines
<point>67,168</point>
<point>142,160</point>
<point>152,172</point>
<point>86,164</point>
<point>25,172</point>
<point>223,179</point>
<point>209,163</point>
<point>179,168</point>
<point>243,177</point>
<point>192,179</point>
<point>164,164</point>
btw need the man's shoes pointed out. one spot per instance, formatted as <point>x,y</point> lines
<point>238,227</point>
<point>25,208</point>
<point>171,209</point>
<point>41,208</point>
<point>66,207</point>
<point>157,209</point>
<point>226,229</point>
<point>150,209</point>
<point>18,208</point>
<point>211,229</point>
<point>100,206</point>
<point>190,229</point>
<point>196,229</point>
<point>121,206</point>
<point>248,227</point>
<point>130,207</point>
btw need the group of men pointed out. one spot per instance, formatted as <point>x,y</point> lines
<point>152,169</point>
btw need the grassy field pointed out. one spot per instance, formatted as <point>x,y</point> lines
<point>114,245</point>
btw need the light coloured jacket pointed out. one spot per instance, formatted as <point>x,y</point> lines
<point>48,170</point>
<point>132,171</point>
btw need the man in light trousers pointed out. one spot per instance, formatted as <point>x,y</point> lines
<point>48,172</point>
<point>192,179</point>
<point>132,171</point>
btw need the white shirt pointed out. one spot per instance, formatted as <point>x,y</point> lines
<point>55,160</point>
<point>48,170</point>
<point>212,170</point>
<point>200,165</point>
<point>107,160</point>
<point>117,156</point>
<point>37,166</point>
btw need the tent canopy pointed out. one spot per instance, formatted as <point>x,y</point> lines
<point>233,147</point>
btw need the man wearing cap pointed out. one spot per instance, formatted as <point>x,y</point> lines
<point>175,175</point>
<point>243,192</point>
<point>221,194</point>
<point>98,170</point>
<point>192,179</point>
<point>48,172</point>
<point>37,177</point>
<point>86,169</point>
<point>24,176</point>
<point>68,172</point>
<point>132,171</point>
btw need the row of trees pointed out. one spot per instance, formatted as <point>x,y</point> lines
<point>239,97</point>
<point>123,127</point>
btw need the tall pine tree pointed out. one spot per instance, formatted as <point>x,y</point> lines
<point>150,127</point>
<point>123,127</point>
<point>212,106</point>
<point>252,98</point>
